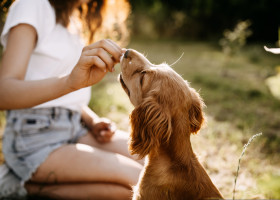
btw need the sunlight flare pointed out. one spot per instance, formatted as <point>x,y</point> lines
<point>85,148</point>
<point>272,50</point>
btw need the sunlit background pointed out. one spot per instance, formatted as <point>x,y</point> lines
<point>222,43</point>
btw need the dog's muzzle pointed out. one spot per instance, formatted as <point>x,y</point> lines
<point>124,85</point>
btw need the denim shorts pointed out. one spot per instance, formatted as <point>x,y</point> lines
<point>32,134</point>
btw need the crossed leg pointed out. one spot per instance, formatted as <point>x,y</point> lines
<point>88,170</point>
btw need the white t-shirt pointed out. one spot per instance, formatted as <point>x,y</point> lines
<point>57,51</point>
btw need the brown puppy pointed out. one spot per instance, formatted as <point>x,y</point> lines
<point>167,110</point>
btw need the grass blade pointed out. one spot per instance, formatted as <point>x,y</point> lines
<point>239,161</point>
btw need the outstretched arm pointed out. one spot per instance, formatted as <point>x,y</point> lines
<point>96,59</point>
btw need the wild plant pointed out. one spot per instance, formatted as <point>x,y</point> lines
<point>239,161</point>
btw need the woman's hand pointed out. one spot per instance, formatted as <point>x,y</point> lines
<point>96,59</point>
<point>103,130</point>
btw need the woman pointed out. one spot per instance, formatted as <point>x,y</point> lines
<point>45,76</point>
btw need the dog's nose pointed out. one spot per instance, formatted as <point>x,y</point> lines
<point>126,54</point>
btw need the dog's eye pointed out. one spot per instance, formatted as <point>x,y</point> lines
<point>142,77</point>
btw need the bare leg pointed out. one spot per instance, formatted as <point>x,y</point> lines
<point>98,191</point>
<point>119,144</point>
<point>82,163</point>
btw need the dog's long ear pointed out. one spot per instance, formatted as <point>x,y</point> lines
<point>151,125</point>
<point>196,116</point>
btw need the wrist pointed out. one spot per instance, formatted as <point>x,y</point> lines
<point>89,117</point>
<point>90,122</point>
<point>90,125</point>
<point>93,122</point>
<point>70,87</point>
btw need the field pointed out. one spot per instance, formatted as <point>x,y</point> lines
<point>239,105</point>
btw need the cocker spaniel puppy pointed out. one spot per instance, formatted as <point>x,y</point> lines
<point>167,111</point>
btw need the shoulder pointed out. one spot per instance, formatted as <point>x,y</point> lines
<point>37,13</point>
<point>27,9</point>
<point>30,5</point>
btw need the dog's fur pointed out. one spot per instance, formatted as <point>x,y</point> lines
<point>167,110</point>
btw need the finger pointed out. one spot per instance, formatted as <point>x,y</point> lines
<point>124,50</point>
<point>106,135</point>
<point>113,127</point>
<point>105,121</point>
<point>107,124</point>
<point>96,61</point>
<point>119,49</point>
<point>103,55</point>
<point>114,44</point>
<point>103,125</point>
<point>107,45</point>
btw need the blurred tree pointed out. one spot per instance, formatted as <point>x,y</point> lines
<point>234,40</point>
<point>5,4</point>
<point>199,19</point>
<point>206,19</point>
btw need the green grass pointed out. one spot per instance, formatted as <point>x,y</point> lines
<point>238,102</point>
<point>239,105</point>
<point>270,185</point>
<point>233,88</point>
<point>109,100</point>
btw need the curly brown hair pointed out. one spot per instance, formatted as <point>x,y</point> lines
<point>99,18</point>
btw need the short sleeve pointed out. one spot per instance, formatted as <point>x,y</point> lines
<point>37,13</point>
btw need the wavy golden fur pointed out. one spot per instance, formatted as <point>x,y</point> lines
<point>167,110</point>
